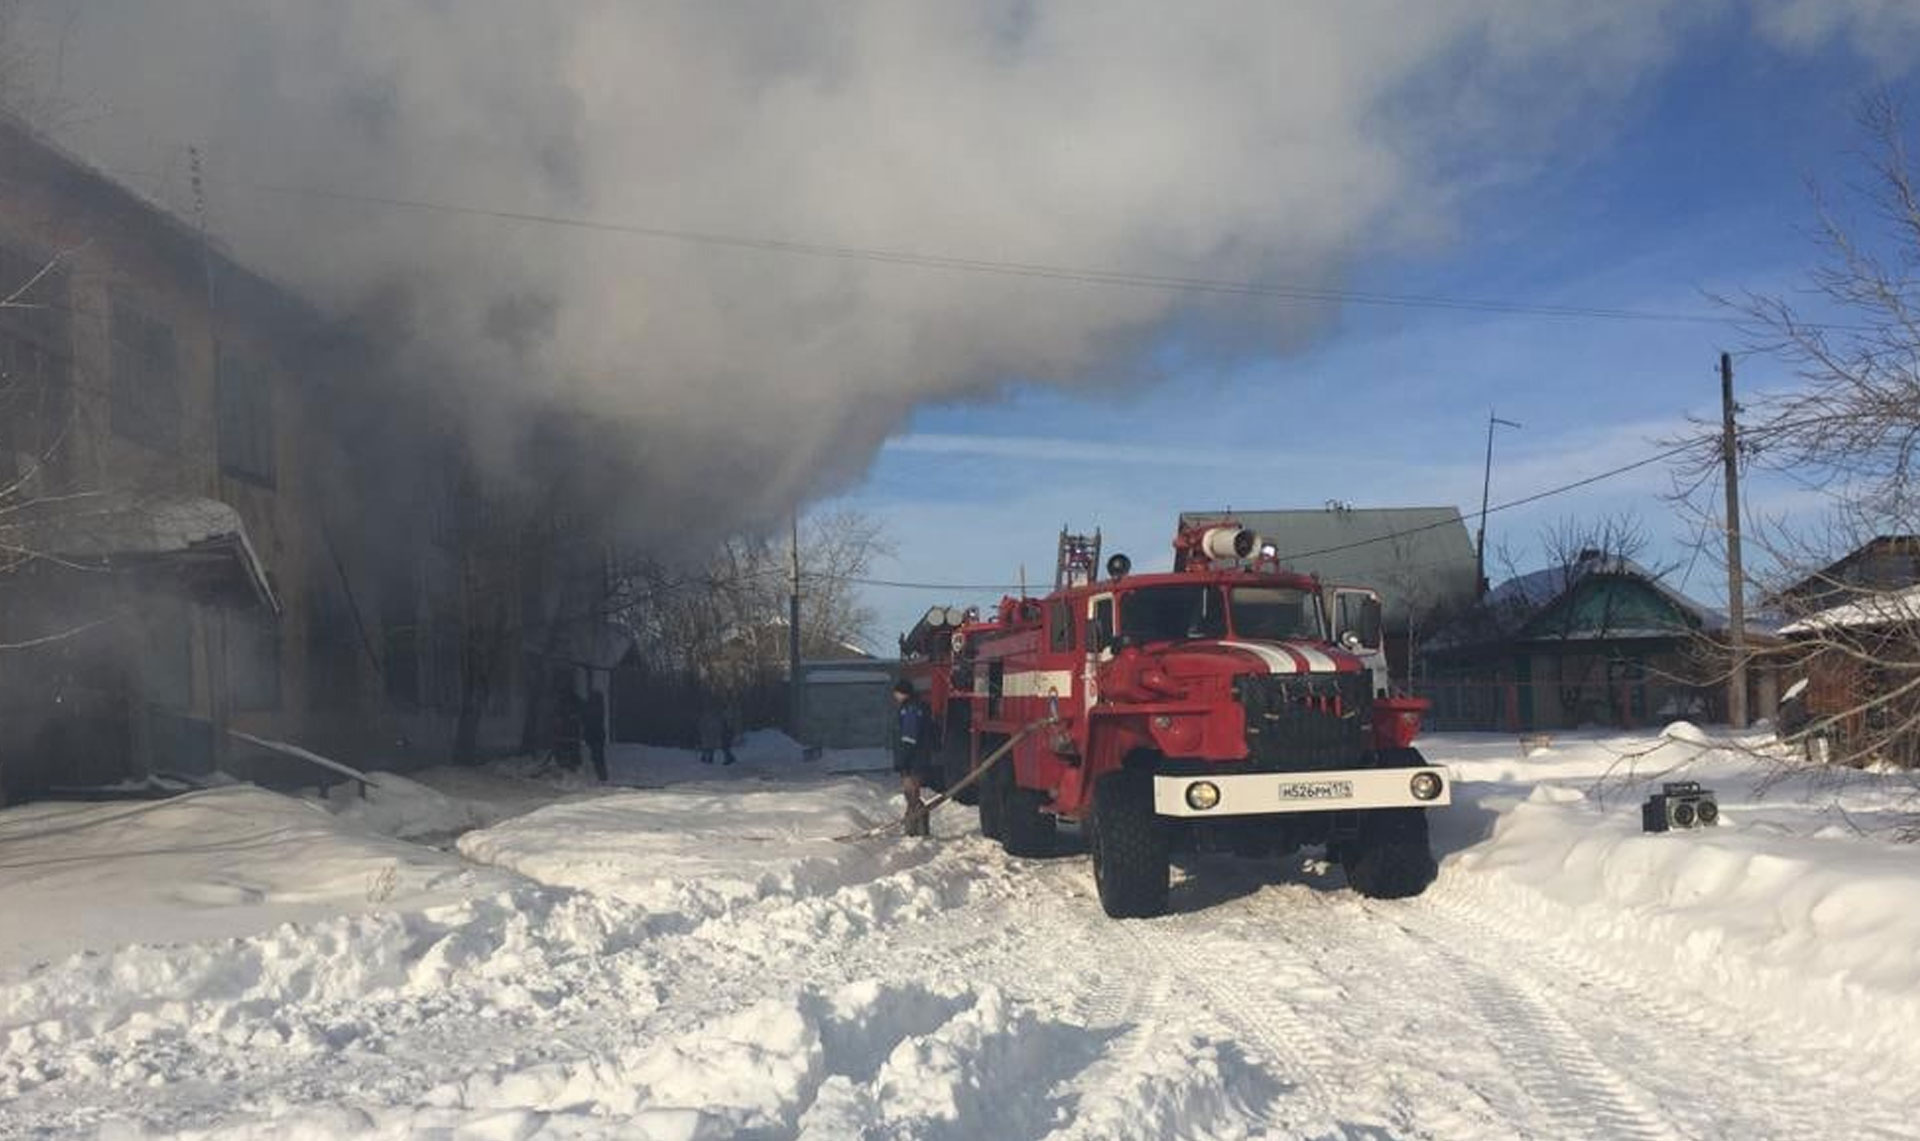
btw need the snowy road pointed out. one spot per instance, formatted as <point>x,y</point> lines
<point>906,989</point>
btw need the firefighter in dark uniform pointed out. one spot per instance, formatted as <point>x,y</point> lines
<point>912,752</point>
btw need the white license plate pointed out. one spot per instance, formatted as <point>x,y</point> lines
<point>1317,790</point>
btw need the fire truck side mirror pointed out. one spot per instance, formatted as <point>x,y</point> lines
<point>1370,623</point>
<point>1357,620</point>
<point>1099,638</point>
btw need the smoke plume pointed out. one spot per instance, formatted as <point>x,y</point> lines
<point>1256,142</point>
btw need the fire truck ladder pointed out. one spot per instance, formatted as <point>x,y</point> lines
<point>1079,555</point>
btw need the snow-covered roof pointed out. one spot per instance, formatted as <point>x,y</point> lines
<point>1879,608</point>
<point>848,677</point>
<point>119,530</point>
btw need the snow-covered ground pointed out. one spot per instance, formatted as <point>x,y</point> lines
<point>696,956</point>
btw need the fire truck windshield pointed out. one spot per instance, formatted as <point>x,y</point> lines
<point>1172,613</point>
<point>1275,613</point>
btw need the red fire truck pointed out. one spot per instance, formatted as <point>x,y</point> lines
<point>1230,704</point>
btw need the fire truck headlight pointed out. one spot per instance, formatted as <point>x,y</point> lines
<point>1202,795</point>
<point>1425,786</point>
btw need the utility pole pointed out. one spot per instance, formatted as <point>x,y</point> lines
<point>1736,580</point>
<point>796,696</point>
<point>1486,487</point>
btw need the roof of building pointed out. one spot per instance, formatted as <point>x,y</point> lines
<point>1834,574</point>
<point>1508,608</point>
<point>1874,608</point>
<point>1413,556</point>
<point>120,212</point>
<point>201,538</point>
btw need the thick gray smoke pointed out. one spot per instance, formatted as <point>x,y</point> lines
<point>1260,142</point>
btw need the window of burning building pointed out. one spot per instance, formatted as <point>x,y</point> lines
<point>400,623</point>
<point>35,362</point>
<point>246,425</point>
<point>253,663</point>
<point>333,645</point>
<point>166,667</point>
<point>144,392</point>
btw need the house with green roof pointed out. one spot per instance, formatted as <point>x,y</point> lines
<point>1599,641</point>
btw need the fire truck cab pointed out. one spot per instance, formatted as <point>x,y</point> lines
<point>1228,704</point>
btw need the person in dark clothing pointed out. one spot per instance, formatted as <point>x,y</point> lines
<point>593,730</point>
<point>912,753</point>
<point>566,725</point>
<point>715,733</point>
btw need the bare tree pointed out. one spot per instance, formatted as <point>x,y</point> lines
<point>1848,430</point>
<point>1589,673</point>
<point>720,630</point>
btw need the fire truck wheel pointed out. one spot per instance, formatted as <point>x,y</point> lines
<point>1129,847</point>
<point>1029,831</point>
<point>1391,858</point>
<point>992,804</point>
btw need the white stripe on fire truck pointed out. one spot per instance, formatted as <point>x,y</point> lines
<point>1037,683</point>
<point>1275,661</point>
<point>1316,661</point>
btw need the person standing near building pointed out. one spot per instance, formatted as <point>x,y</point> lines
<point>565,749</point>
<point>912,753</point>
<point>714,734</point>
<point>593,730</point>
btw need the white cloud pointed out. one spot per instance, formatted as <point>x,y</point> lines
<point>1884,31</point>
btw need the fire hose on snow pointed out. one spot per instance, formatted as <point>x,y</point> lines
<point>964,783</point>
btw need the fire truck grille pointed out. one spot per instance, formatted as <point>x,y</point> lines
<point>1310,721</point>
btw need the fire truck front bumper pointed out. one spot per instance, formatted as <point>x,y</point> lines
<point>1259,794</point>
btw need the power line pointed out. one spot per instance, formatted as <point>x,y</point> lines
<point>1575,485</point>
<point>1073,274</point>
<point>1521,502</point>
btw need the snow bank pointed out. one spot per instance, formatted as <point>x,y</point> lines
<point>397,806</point>
<point>760,754</point>
<point>209,864</point>
<point>869,1059</point>
<point>301,989</point>
<point>694,851</point>
<point>1778,910</point>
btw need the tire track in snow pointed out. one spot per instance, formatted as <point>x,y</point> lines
<point>1768,1092</point>
<point>1245,988</point>
<point>1327,987</point>
<point>1553,1062</point>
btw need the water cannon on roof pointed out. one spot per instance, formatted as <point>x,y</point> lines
<point>1209,546</point>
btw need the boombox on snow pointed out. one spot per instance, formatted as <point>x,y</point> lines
<point>1679,805</point>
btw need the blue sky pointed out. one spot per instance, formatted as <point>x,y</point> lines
<point>1693,182</point>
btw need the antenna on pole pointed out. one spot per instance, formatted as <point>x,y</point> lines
<point>1486,486</point>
